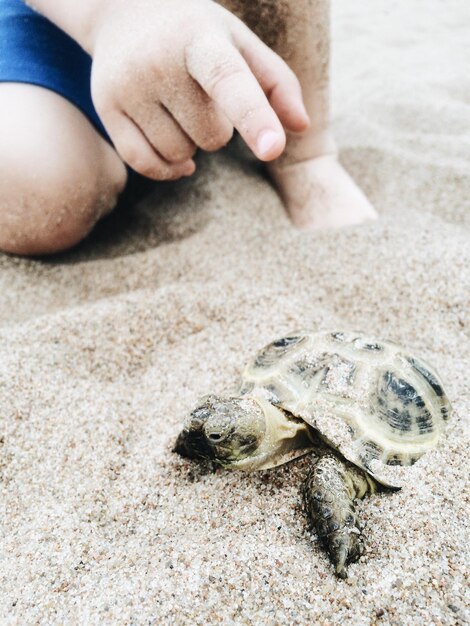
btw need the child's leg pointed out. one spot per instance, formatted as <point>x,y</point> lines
<point>58,176</point>
<point>317,191</point>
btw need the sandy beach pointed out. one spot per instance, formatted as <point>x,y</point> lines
<point>105,349</point>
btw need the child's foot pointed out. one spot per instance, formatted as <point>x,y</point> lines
<point>318,194</point>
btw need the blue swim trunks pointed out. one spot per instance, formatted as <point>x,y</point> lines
<point>35,51</point>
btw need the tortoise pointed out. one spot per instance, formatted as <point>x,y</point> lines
<point>358,403</point>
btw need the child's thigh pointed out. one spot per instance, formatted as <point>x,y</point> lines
<point>58,175</point>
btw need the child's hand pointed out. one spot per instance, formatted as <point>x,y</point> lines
<point>172,75</point>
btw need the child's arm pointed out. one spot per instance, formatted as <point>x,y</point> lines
<point>170,75</point>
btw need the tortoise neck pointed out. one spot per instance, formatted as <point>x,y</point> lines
<point>286,438</point>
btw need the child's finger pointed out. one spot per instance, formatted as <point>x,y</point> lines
<point>164,133</point>
<point>226,77</point>
<point>135,150</point>
<point>278,81</point>
<point>197,115</point>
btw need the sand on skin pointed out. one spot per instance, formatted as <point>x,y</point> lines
<point>103,351</point>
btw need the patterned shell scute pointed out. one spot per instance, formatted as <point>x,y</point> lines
<point>370,399</point>
<point>276,350</point>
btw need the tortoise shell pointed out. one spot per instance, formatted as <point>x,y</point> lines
<point>373,401</point>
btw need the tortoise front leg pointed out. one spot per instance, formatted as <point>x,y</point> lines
<point>329,493</point>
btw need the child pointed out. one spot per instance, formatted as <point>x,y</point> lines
<point>167,77</point>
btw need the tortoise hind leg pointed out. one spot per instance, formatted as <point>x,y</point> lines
<point>329,493</point>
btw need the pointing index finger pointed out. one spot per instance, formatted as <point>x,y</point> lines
<point>225,76</point>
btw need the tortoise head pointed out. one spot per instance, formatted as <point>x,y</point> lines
<point>225,430</point>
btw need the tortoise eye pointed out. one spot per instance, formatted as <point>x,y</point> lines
<point>215,436</point>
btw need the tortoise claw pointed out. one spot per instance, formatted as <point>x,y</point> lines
<point>344,547</point>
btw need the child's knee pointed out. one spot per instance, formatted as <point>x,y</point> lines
<point>37,219</point>
<point>51,206</point>
<point>57,175</point>
<point>42,212</point>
